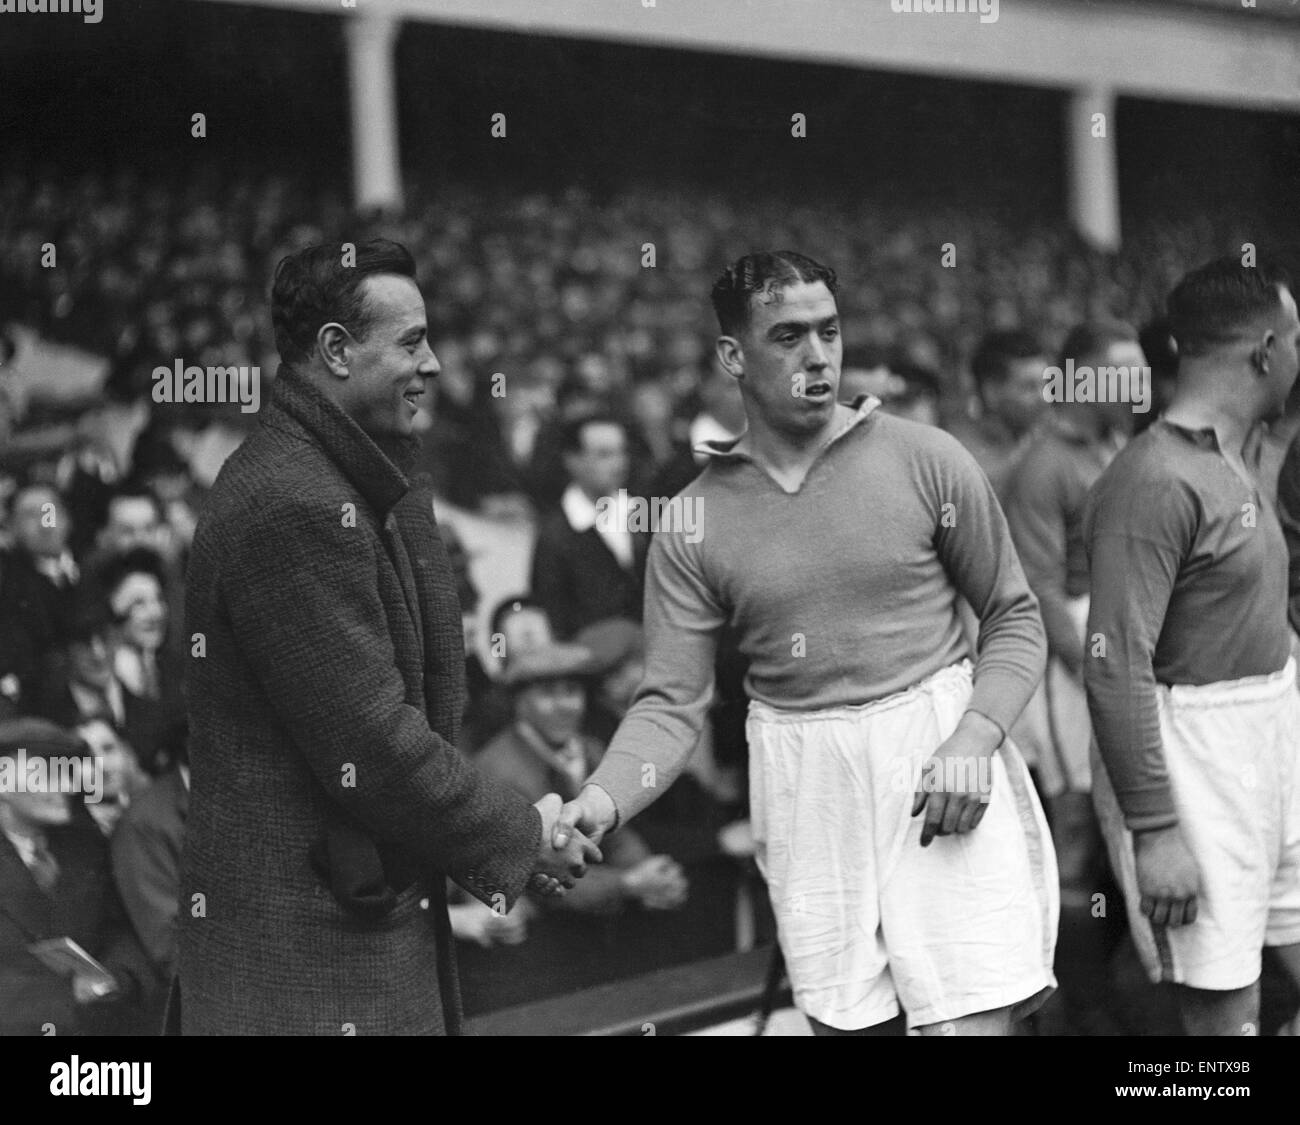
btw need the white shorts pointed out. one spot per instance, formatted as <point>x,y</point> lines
<point>1233,755</point>
<point>867,918</point>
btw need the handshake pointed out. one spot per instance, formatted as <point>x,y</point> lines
<point>570,833</point>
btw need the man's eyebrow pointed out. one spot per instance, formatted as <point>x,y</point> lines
<point>800,325</point>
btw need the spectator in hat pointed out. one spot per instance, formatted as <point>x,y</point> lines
<point>55,883</point>
<point>617,648</point>
<point>517,623</point>
<point>544,748</point>
<point>574,943</point>
<point>83,691</point>
<point>81,684</point>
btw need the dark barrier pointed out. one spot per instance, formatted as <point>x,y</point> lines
<point>667,1002</point>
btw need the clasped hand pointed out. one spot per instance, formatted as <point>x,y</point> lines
<point>561,859</point>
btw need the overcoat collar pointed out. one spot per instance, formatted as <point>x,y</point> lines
<point>372,470</point>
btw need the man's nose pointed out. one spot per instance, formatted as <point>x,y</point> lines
<point>429,367</point>
<point>818,356</point>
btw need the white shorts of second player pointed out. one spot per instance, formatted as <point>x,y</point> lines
<point>1232,751</point>
<point>869,920</point>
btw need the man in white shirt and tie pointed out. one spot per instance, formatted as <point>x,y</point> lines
<point>588,565</point>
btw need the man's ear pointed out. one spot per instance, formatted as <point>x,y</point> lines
<point>333,342</point>
<point>1262,353</point>
<point>731,355</point>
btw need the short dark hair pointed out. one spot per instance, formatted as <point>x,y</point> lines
<point>1092,337</point>
<point>573,430</point>
<point>1213,303</point>
<point>761,273</point>
<point>992,360</point>
<point>313,287</point>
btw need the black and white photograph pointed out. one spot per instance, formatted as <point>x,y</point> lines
<point>641,518</point>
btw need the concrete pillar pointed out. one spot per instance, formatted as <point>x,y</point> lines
<point>376,161</point>
<point>1093,177</point>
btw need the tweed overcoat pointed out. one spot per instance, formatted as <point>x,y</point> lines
<point>327,796</point>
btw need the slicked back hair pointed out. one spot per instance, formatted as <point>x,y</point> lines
<point>1220,300</point>
<point>313,287</point>
<point>763,272</point>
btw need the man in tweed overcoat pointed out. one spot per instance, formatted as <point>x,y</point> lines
<point>328,801</point>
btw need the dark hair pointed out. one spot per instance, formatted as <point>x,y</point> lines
<point>512,605</point>
<point>992,360</point>
<point>138,560</point>
<point>313,287</point>
<point>762,273</point>
<point>573,429</point>
<point>1215,302</point>
<point>1093,337</point>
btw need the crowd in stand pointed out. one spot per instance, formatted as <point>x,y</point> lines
<point>575,345</point>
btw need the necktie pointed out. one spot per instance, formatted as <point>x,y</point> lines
<point>44,867</point>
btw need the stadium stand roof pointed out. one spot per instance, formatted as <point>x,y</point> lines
<point>1206,51</point>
